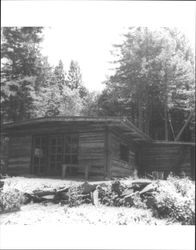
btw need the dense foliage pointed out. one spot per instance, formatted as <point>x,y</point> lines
<point>31,87</point>
<point>11,199</point>
<point>175,199</point>
<point>20,65</point>
<point>153,83</point>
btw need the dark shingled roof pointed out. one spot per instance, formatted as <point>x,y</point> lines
<point>120,122</point>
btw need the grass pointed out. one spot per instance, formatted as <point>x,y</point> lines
<point>34,214</point>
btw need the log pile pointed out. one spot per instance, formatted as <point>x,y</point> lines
<point>115,194</point>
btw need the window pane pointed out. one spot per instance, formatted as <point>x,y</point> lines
<point>67,159</point>
<point>53,141</point>
<point>74,159</point>
<point>124,153</point>
<point>74,140</point>
<point>59,149</point>
<point>67,145</point>
<point>59,158</point>
<point>37,140</point>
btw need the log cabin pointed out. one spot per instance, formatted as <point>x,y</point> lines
<point>90,147</point>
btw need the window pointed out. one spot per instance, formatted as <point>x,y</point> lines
<point>71,149</point>
<point>40,152</point>
<point>50,152</point>
<point>124,152</point>
<point>63,150</point>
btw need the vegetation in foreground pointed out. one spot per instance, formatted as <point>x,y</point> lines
<point>171,201</point>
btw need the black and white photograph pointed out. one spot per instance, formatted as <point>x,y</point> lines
<point>97,139</point>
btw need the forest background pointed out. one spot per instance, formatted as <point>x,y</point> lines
<point>152,84</point>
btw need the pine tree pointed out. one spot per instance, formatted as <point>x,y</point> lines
<point>153,78</point>
<point>60,75</point>
<point>74,79</point>
<point>20,67</point>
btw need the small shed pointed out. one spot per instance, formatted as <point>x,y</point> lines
<point>91,147</point>
<point>73,146</point>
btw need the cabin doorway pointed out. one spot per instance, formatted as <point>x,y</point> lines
<point>40,155</point>
<point>51,152</point>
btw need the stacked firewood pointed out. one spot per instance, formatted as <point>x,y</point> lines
<point>115,193</point>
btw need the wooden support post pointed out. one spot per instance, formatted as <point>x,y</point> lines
<point>64,168</point>
<point>86,172</point>
<point>107,170</point>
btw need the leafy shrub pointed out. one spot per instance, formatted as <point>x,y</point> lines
<point>184,186</point>
<point>175,199</point>
<point>113,195</point>
<point>106,195</point>
<point>10,200</point>
<point>76,196</point>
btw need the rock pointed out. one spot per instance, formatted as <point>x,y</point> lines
<point>87,188</point>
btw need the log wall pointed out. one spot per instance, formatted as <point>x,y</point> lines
<point>167,157</point>
<point>19,155</point>
<point>120,168</point>
<point>3,154</point>
<point>92,153</point>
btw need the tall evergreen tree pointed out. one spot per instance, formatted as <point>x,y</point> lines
<point>154,74</point>
<point>74,79</point>
<point>20,65</point>
<point>54,97</point>
<point>60,75</point>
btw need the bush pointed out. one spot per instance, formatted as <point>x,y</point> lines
<point>76,196</point>
<point>113,195</point>
<point>175,199</point>
<point>10,200</point>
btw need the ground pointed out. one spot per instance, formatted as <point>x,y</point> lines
<point>34,214</point>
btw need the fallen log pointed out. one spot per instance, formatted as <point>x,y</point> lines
<point>139,185</point>
<point>42,193</point>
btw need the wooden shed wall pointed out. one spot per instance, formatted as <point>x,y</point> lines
<point>3,154</point>
<point>91,152</point>
<point>167,158</point>
<point>19,155</point>
<point>120,168</point>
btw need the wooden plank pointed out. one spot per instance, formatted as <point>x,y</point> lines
<point>19,157</point>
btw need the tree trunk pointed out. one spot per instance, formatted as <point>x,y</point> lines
<point>166,122</point>
<point>140,113</point>
<point>166,108</point>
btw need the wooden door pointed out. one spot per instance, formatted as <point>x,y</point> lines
<point>40,155</point>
